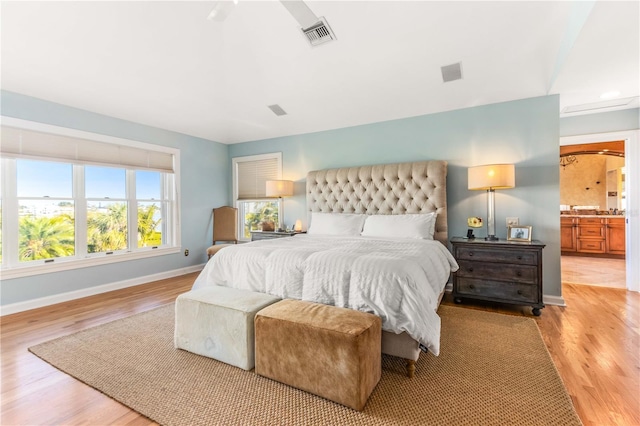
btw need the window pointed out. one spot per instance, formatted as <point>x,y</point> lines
<point>250,175</point>
<point>45,210</point>
<point>107,206</point>
<point>89,202</point>
<point>152,207</point>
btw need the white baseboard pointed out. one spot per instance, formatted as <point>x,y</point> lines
<point>553,300</point>
<point>91,291</point>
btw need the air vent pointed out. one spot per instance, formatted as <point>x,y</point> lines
<point>598,105</point>
<point>451,72</point>
<point>277,110</point>
<point>319,33</point>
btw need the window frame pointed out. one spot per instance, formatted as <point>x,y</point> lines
<point>237,203</point>
<point>170,203</point>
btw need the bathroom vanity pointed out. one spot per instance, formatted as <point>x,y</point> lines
<point>592,235</point>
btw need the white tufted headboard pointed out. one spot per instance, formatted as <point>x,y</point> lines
<point>401,188</point>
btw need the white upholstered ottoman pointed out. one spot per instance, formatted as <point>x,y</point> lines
<point>217,322</point>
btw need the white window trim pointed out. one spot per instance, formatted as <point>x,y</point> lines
<point>234,168</point>
<point>70,264</point>
<point>236,160</point>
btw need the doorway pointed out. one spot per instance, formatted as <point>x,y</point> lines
<point>592,209</point>
<point>606,270</point>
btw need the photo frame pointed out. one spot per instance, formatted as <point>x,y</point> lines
<point>519,233</point>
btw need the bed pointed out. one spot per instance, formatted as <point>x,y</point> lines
<point>360,251</point>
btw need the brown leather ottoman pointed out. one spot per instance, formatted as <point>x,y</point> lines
<point>328,351</point>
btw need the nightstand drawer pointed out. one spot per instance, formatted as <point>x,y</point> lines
<point>498,271</point>
<point>496,290</point>
<point>528,257</point>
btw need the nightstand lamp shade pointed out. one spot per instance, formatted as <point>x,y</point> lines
<point>279,188</point>
<point>490,178</point>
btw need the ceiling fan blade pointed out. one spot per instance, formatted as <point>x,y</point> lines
<point>221,10</point>
<point>301,12</point>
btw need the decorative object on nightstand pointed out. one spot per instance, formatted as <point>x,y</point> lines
<point>267,225</point>
<point>519,233</point>
<point>298,226</point>
<point>490,178</point>
<point>279,189</point>
<point>499,271</point>
<point>473,222</point>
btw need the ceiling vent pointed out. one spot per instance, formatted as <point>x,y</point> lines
<point>451,72</point>
<point>277,110</point>
<point>319,33</point>
<point>598,105</point>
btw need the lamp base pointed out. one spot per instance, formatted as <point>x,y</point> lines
<point>491,238</point>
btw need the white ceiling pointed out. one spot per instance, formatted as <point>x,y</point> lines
<point>164,64</point>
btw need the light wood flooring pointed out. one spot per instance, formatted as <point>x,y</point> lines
<point>596,271</point>
<point>594,342</point>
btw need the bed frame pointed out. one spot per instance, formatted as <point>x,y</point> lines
<point>401,188</point>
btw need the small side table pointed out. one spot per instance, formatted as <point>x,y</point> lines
<point>268,235</point>
<point>500,271</point>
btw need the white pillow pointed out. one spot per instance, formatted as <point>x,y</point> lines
<point>336,223</point>
<point>420,226</point>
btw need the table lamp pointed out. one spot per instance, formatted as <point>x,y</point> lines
<point>279,189</point>
<point>490,178</point>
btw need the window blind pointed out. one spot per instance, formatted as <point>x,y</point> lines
<point>253,176</point>
<point>25,143</point>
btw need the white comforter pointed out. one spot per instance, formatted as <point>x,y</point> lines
<point>399,280</point>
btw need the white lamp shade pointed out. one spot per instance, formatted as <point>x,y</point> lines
<point>492,176</point>
<point>298,226</point>
<point>279,188</point>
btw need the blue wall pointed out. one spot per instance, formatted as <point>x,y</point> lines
<point>523,132</point>
<point>205,177</point>
<point>626,119</point>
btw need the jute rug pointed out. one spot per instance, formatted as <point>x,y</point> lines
<point>493,370</point>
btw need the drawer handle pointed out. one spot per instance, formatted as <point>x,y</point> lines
<point>518,274</point>
<point>471,286</point>
<point>519,258</point>
<point>520,292</point>
<point>470,254</point>
<point>470,269</point>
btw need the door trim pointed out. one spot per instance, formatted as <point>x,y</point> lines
<point>632,161</point>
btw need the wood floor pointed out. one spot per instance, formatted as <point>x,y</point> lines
<point>594,343</point>
<point>596,271</point>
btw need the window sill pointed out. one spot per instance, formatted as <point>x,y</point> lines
<point>26,271</point>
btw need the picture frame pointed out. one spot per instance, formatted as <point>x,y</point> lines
<point>519,233</point>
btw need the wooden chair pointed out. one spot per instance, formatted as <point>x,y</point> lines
<point>225,228</point>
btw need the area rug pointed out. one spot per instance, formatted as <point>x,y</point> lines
<point>493,369</point>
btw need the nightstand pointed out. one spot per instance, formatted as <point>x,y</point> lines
<point>268,235</point>
<point>499,271</point>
